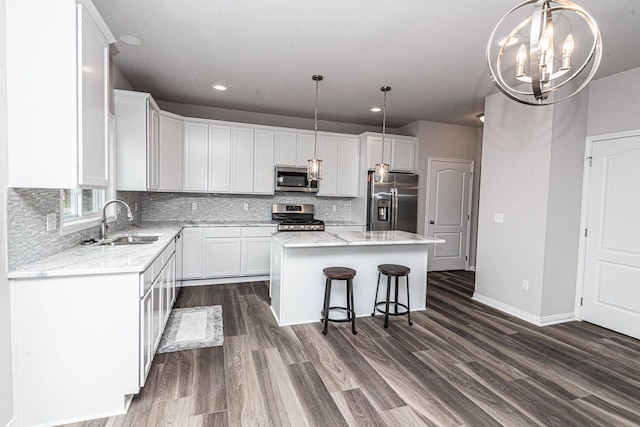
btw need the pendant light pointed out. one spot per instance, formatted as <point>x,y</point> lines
<point>382,169</point>
<point>314,166</point>
<point>528,65</point>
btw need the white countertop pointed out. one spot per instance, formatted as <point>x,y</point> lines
<point>351,238</point>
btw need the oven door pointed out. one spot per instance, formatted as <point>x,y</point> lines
<point>294,179</point>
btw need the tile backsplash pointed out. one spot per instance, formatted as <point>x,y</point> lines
<point>29,241</point>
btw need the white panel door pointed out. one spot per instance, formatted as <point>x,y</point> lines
<point>348,168</point>
<point>286,148</point>
<point>192,253</point>
<point>611,293</point>
<point>305,146</point>
<point>256,255</point>
<point>242,160</point>
<point>403,155</point>
<point>448,213</point>
<point>263,170</point>
<point>219,158</point>
<point>153,130</point>
<point>328,152</point>
<point>170,153</point>
<point>222,257</point>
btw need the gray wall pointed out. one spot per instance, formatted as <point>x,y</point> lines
<point>614,103</point>
<point>6,390</point>
<point>451,142</point>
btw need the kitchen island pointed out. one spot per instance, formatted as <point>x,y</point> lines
<point>297,260</point>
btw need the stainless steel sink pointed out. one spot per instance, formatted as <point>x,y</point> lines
<point>129,240</point>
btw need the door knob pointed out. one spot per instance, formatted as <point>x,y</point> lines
<point>431,222</point>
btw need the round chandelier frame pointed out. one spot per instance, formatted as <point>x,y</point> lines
<point>542,79</point>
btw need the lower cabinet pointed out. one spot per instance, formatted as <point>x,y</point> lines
<point>218,252</point>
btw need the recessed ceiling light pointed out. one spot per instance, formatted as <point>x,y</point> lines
<point>376,109</point>
<point>133,41</point>
<point>219,87</point>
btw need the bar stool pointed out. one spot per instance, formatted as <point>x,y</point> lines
<point>392,270</point>
<point>339,273</point>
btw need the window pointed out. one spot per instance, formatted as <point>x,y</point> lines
<point>78,204</point>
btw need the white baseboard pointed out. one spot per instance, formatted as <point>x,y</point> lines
<point>12,423</point>
<point>471,268</point>
<point>523,315</point>
<point>202,282</point>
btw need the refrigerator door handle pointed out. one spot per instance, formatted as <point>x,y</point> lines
<point>394,208</point>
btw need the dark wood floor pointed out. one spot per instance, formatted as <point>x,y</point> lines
<point>461,363</point>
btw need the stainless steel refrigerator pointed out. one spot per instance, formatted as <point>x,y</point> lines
<point>393,204</point>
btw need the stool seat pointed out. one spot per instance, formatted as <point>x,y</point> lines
<point>394,269</point>
<point>339,273</point>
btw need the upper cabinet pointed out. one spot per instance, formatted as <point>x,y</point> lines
<point>170,142</point>
<point>398,151</point>
<point>137,134</point>
<point>58,77</point>
<point>293,148</point>
<point>340,166</point>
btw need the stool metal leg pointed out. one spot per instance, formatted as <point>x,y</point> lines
<point>327,296</point>
<point>386,311</point>
<point>408,304</point>
<point>375,301</point>
<point>349,308</point>
<point>396,304</point>
<point>353,309</point>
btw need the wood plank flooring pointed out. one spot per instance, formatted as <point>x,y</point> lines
<point>461,363</point>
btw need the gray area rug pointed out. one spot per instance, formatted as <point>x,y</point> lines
<point>195,327</point>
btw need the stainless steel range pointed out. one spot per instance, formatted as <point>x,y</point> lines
<point>295,218</point>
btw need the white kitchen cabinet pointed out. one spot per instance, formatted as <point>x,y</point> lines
<point>398,151</point>
<point>170,147</point>
<point>222,251</point>
<point>256,250</point>
<point>146,335</point>
<point>137,141</point>
<point>293,148</point>
<point>58,68</point>
<point>219,158</point>
<point>196,156</point>
<point>263,170</point>
<point>340,166</point>
<point>242,161</point>
<point>192,253</point>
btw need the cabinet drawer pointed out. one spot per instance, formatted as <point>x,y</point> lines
<point>222,232</point>
<point>258,231</point>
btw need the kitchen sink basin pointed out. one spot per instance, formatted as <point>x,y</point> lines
<point>129,240</point>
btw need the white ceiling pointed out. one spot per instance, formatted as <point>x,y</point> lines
<point>431,53</point>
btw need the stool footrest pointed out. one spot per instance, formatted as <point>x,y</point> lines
<point>391,305</point>
<point>337,320</point>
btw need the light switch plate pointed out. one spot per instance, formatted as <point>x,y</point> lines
<point>245,206</point>
<point>194,206</point>
<point>51,222</point>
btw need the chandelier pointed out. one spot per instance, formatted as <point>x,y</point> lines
<point>544,55</point>
<point>382,169</point>
<point>314,166</point>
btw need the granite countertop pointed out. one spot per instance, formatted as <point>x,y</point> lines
<point>344,223</point>
<point>96,259</point>
<point>351,238</point>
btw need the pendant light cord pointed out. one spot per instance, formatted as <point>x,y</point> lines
<point>315,124</point>
<point>384,116</point>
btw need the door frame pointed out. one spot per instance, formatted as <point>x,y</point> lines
<point>586,177</point>
<point>471,164</point>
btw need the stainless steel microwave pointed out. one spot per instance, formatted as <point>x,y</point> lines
<point>294,179</point>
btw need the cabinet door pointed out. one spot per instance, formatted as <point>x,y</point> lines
<point>263,178</point>
<point>153,141</point>
<point>328,151</point>
<point>222,257</point>
<point>170,153</point>
<point>192,255</point>
<point>256,256</point>
<point>196,155</point>
<point>348,167</point>
<point>403,154</point>
<point>156,312</point>
<point>171,284</point>
<point>93,81</point>
<point>219,158</point>
<point>375,151</point>
<point>305,148</point>
<point>146,335</point>
<point>242,160</point>
<point>286,148</point>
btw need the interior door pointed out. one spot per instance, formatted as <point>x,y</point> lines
<point>611,291</point>
<point>449,215</point>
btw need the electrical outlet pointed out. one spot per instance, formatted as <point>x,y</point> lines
<point>498,218</point>
<point>333,208</point>
<point>51,222</point>
<point>194,206</point>
<point>525,285</point>
<point>245,206</point>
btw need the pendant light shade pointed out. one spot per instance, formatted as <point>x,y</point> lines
<point>314,166</point>
<point>382,169</point>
